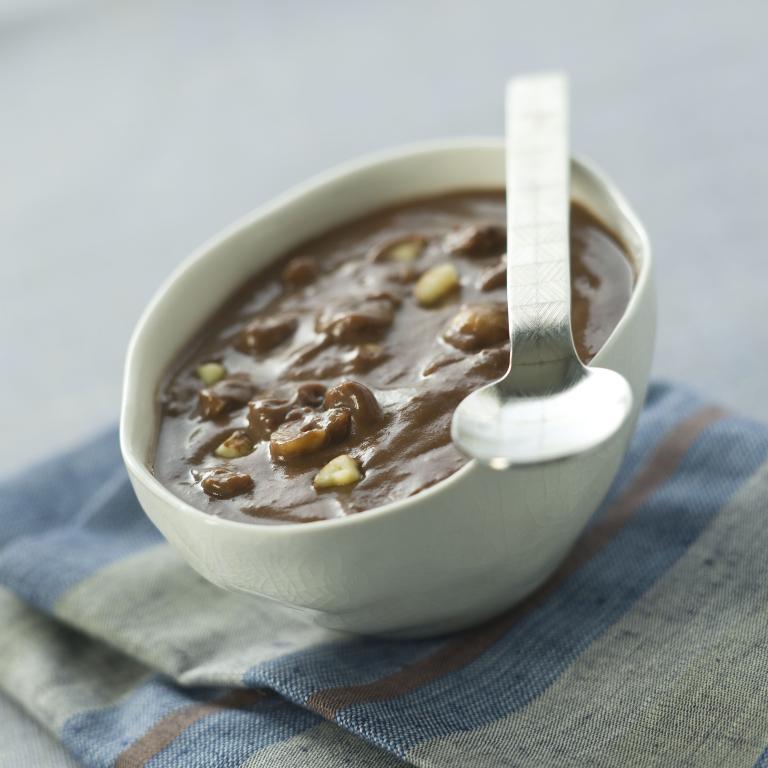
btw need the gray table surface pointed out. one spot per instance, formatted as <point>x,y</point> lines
<point>130,132</point>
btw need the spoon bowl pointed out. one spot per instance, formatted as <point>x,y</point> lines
<point>505,424</point>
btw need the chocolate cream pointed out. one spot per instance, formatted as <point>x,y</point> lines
<point>354,349</point>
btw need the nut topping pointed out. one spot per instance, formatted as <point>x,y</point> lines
<point>311,394</point>
<point>404,250</point>
<point>236,445</point>
<point>360,401</point>
<point>223,483</point>
<point>343,470</point>
<point>365,357</point>
<point>476,240</point>
<point>224,396</point>
<point>299,271</point>
<point>266,415</point>
<point>210,373</point>
<point>435,284</point>
<point>353,320</point>
<point>325,384</point>
<point>265,333</point>
<point>403,274</point>
<point>494,277</point>
<point>309,433</point>
<point>477,326</point>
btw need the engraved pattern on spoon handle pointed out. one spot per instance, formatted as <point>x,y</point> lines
<point>538,201</point>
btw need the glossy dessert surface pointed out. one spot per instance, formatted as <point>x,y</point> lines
<point>326,385</point>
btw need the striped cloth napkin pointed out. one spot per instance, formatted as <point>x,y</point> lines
<point>649,647</point>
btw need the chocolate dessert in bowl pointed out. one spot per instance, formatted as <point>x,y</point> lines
<point>289,392</point>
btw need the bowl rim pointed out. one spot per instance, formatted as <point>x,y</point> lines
<point>141,473</point>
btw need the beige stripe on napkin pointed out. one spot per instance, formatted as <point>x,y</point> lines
<point>680,680</point>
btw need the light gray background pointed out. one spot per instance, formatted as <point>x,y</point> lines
<point>131,131</point>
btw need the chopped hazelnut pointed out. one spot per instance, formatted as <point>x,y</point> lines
<point>441,361</point>
<point>224,396</point>
<point>492,362</point>
<point>311,394</point>
<point>300,270</point>
<point>351,320</point>
<point>223,483</point>
<point>265,333</point>
<point>404,250</point>
<point>300,436</point>
<point>365,357</point>
<point>210,373</point>
<point>360,401</point>
<point>343,470</point>
<point>404,274</point>
<point>299,412</point>
<point>494,277</point>
<point>477,326</point>
<point>435,284</point>
<point>476,240</point>
<point>392,298</point>
<point>266,415</point>
<point>236,445</point>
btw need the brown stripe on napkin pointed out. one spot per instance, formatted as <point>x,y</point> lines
<point>468,646</point>
<point>173,725</point>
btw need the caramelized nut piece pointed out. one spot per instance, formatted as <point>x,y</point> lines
<point>236,445</point>
<point>360,401</point>
<point>336,423</point>
<point>478,326</point>
<point>300,270</point>
<point>289,441</point>
<point>492,362</point>
<point>441,361</point>
<point>265,333</point>
<point>365,357</point>
<point>349,321</point>
<point>299,412</point>
<point>311,394</point>
<point>300,436</point>
<point>266,415</point>
<point>403,274</point>
<point>494,277</point>
<point>223,483</point>
<point>476,240</point>
<point>404,250</point>
<point>392,298</point>
<point>224,396</point>
<point>210,373</point>
<point>435,284</point>
<point>343,470</point>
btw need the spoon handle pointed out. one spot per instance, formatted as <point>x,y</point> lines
<point>538,201</point>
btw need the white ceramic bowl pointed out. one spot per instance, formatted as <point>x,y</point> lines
<point>454,554</point>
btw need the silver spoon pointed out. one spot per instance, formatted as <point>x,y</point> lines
<point>549,405</point>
